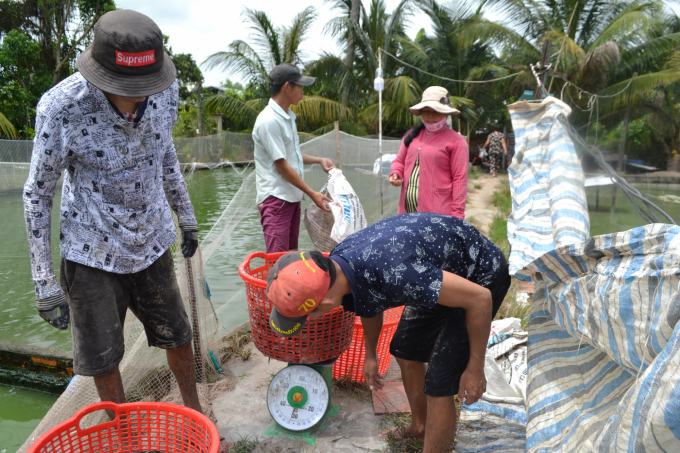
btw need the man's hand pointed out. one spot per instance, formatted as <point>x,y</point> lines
<point>190,241</point>
<point>47,309</point>
<point>395,180</point>
<point>472,385</point>
<point>326,164</point>
<point>321,200</point>
<point>372,375</point>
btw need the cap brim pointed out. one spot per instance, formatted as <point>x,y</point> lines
<point>434,105</point>
<point>286,327</point>
<point>126,85</point>
<point>305,81</point>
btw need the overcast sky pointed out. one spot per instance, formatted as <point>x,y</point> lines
<point>203,27</point>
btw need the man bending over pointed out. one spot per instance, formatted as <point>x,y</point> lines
<point>452,280</point>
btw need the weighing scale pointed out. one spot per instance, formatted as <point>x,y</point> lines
<point>299,396</point>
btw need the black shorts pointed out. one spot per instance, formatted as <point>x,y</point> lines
<point>99,300</point>
<point>438,336</point>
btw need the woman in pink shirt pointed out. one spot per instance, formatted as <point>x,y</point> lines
<point>432,164</point>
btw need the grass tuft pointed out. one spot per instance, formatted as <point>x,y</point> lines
<point>477,186</point>
<point>473,174</point>
<point>514,308</point>
<point>245,445</point>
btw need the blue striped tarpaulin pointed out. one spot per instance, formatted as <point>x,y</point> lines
<point>604,344</point>
<point>546,181</point>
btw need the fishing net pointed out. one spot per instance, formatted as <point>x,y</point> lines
<point>145,372</point>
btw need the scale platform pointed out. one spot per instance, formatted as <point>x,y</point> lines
<point>299,396</point>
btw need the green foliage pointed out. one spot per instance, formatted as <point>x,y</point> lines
<point>187,120</point>
<point>24,77</point>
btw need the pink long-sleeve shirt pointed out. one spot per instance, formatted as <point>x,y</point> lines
<point>442,184</point>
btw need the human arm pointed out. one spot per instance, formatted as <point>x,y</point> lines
<point>372,328</point>
<point>459,156</point>
<point>476,300</point>
<point>326,164</point>
<point>398,164</point>
<point>296,180</point>
<point>486,143</point>
<point>504,142</point>
<point>175,187</point>
<point>48,160</point>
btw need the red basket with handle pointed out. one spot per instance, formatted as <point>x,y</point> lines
<point>350,365</point>
<point>162,427</point>
<point>321,339</point>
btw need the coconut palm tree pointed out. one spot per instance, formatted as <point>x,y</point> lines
<point>269,47</point>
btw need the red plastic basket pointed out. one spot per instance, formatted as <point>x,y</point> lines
<point>350,364</point>
<point>162,427</point>
<point>321,339</point>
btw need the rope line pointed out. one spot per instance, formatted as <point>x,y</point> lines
<point>446,78</point>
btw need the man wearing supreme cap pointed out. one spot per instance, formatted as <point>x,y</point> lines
<point>109,127</point>
<point>452,280</point>
<point>279,163</point>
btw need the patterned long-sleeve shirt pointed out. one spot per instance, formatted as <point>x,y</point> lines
<point>120,182</point>
<point>443,166</point>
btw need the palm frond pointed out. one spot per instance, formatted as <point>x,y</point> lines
<point>240,59</point>
<point>494,34</point>
<point>7,128</point>
<point>265,35</point>
<point>232,107</point>
<point>628,26</point>
<point>413,52</point>
<point>640,89</point>
<point>673,61</point>
<point>319,110</point>
<point>295,34</point>
<point>402,90</point>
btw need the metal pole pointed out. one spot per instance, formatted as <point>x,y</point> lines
<point>380,135</point>
<point>337,144</point>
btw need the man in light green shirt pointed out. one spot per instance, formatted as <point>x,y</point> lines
<point>279,163</point>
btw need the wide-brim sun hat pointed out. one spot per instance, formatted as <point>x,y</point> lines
<point>437,98</point>
<point>127,57</point>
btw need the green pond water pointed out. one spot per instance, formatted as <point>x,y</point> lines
<point>211,192</point>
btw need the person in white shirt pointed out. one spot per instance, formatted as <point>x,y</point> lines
<point>279,163</point>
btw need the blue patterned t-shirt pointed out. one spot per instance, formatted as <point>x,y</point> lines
<point>399,261</point>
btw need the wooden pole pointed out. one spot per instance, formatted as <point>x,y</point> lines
<point>622,147</point>
<point>337,144</point>
<point>564,41</point>
<point>545,59</point>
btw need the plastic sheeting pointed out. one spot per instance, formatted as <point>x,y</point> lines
<point>604,345</point>
<point>546,181</point>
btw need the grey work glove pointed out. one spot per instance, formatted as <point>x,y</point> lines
<point>47,309</point>
<point>190,240</point>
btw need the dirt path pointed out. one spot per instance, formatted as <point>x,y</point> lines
<point>479,209</point>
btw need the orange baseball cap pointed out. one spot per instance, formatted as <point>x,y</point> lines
<point>296,285</point>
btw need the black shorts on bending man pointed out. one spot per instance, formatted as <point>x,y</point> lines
<point>452,280</point>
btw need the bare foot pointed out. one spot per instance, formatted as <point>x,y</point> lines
<point>402,433</point>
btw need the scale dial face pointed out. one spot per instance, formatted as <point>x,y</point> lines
<point>298,397</point>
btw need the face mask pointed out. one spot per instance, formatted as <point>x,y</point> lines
<point>435,126</point>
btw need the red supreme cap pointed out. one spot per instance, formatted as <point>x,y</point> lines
<point>296,285</point>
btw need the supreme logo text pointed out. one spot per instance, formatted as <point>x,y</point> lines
<point>136,59</point>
